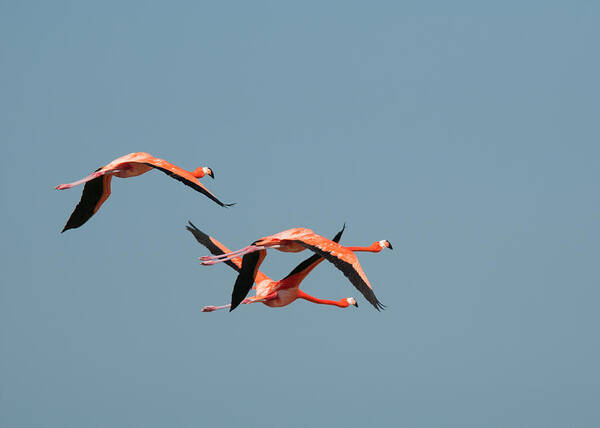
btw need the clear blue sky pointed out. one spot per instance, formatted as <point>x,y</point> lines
<point>466,134</point>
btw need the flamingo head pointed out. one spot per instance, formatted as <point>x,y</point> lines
<point>352,301</point>
<point>386,244</point>
<point>201,171</point>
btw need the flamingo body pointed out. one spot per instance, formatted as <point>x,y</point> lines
<point>295,240</point>
<point>269,292</point>
<point>97,185</point>
<point>286,241</point>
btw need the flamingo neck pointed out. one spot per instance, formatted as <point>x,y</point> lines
<point>373,248</point>
<point>343,303</point>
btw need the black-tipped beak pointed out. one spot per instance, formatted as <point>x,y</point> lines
<point>211,173</point>
<point>356,304</point>
<point>390,245</point>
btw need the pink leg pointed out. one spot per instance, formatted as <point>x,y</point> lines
<point>88,178</point>
<point>78,182</point>
<point>216,308</point>
<point>220,256</point>
<point>229,256</point>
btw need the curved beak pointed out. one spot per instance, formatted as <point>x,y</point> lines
<point>356,303</point>
<point>211,173</point>
<point>390,247</point>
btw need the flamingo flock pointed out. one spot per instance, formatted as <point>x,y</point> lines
<point>247,260</point>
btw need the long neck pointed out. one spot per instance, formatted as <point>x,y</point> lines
<point>343,303</point>
<point>373,248</point>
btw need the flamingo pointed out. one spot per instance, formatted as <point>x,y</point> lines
<point>97,184</point>
<point>293,241</point>
<point>272,293</point>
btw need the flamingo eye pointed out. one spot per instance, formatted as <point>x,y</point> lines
<point>385,244</point>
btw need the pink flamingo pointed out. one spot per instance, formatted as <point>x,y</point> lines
<point>97,185</point>
<point>295,240</point>
<point>272,293</point>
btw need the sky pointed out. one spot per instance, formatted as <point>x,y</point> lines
<point>465,133</point>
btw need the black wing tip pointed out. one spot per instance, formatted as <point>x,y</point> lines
<point>245,279</point>
<point>379,306</point>
<point>234,305</point>
<point>69,226</point>
<point>192,228</point>
<point>338,235</point>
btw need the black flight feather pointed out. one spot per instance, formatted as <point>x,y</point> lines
<point>190,184</point>
<point>349,272</point>
<point>205,240</point>
<point>309,261</point>
<point>245,279</point>
<point>91,195</point>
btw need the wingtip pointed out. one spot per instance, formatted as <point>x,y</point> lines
<point>377,304</point>
<point>229,205</point>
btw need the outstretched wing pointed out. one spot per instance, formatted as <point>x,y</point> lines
<point>243,283</point>
<point>343,259</point>
<point>95,192</point>
<point>216,248</point>
<point>182,175</point>
<point>251,263</point>
<point>310,263</point>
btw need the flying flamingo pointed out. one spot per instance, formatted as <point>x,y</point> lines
<point>293,241</point>
<point>97,185</point>
<point>269,292</point>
